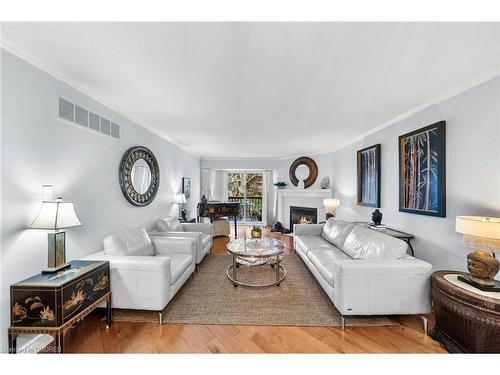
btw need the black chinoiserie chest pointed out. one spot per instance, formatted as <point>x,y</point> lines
<point>52,303</point>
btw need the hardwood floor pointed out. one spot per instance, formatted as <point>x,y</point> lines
<point>91,336</point>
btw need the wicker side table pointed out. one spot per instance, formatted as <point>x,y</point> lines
<point>466,321</point>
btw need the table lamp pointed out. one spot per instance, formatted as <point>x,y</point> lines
<point>482,234</point>
<point>330,206</point>
<point>180,199</point>
<point>56,215</point>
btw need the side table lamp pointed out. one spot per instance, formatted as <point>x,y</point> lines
<point>180,199</point>
<point>56,215</point>
<point>330,205</point>
<point>483,234</point>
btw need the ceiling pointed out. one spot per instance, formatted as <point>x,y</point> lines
<point>262,90</point>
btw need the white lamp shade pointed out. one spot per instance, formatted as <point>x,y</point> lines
<point>481,233</point>
<point>331,204</point>
<point>485,227</point>
<point>179,198</point>
<point>56,215</point>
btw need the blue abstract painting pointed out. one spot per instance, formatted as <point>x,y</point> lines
<point>369,176</point>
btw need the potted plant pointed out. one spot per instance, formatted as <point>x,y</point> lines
<point>280,184</point>
<point>256,232</point>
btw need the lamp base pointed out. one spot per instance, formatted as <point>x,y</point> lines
<point>56,269</point>
<point>484,288</point>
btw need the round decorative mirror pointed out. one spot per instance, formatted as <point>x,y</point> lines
<point>139,175</point>
<point>304,168</point>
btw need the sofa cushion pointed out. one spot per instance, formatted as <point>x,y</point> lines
<point>132,242</point>
<point>169,224</point>
<point>308,242</point>
<point>205,239</point>
<point>323,260</point>
<point>365,243</point>
<point>179,263</point>
<point>336,231</point>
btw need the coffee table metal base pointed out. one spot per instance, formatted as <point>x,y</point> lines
<point>232,275</point>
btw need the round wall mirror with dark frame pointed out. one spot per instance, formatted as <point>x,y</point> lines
<point>139,176</point>
<point>313,171</point>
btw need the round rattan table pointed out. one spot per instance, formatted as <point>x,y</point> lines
<point>254,252</point>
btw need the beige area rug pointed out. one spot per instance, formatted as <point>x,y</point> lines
<point>211,298</point>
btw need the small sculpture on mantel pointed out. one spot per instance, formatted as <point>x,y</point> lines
<point>377,217</point>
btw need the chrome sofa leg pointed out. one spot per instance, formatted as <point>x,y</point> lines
<point>197,268</point>
<point>425,321</point>
<point>342,317</point>
<point>160,315</point>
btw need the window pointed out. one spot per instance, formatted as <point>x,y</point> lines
<point>246,188</point>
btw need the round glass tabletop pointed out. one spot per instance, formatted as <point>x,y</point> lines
<point>264,247</point>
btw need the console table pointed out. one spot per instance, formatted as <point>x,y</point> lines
<point>467,319</point>
<point>52,303</point>
<point>406,237</point>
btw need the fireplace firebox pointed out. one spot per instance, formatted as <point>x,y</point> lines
<point>303,215</point>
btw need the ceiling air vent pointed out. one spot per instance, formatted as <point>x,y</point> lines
<point>83,117</point>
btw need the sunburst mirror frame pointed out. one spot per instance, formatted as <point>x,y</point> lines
<point>125,175</point>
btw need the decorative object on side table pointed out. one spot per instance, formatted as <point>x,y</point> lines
<point>422,171</point>
<point>467,319</point>
<point>330,205</point>
<point>483,234</point>
<point>52,303</point>
<point>139,176</point>
<point>377,217</point>
<point>280,184</point>
<point>368,160</point>
<point>256,232</point>
<point>313,171</point>
<point>56,215</point>
<point>186,187</point>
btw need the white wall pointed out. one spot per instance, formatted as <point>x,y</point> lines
<point>472,173</point>
<point>82,165</point>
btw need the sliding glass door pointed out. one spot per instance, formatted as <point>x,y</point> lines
<point>246,188</point>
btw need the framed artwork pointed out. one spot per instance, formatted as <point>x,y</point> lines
<point>369,176</point>
<point>422,171</point>
<point>186,186</point>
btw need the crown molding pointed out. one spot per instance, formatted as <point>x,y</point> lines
<point>59,75</point>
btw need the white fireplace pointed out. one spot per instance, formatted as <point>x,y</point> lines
<point>301,198</point>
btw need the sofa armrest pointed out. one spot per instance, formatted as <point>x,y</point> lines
<point>308,229</point>
<point>198,227</point>
<point>404,266</point>
<point>382,287</point>
<point>165,245</point>
<point>195,235</point>
<point>133,263</point>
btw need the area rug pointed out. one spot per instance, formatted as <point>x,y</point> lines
<point>211,298</point>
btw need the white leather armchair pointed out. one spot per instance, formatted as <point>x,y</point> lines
<point>149,280</point>
<point>202,233</point>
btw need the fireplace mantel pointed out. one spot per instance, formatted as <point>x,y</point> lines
<point>301,197</point>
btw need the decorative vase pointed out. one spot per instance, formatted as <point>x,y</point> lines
<point>256,233</point>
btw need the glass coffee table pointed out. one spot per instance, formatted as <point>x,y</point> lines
<point>256,252</point>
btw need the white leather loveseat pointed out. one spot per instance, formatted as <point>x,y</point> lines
<point>364,272</point>
<point>146,273</point>
<point>202,233</point>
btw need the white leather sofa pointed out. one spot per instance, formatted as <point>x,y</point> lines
<point>146,273</point>
<point>202,233</point>
<point>364,272</point>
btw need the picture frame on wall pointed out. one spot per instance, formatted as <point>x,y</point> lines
<point>422,171</point>
<point>186,187</point>
<point>368,161</point>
